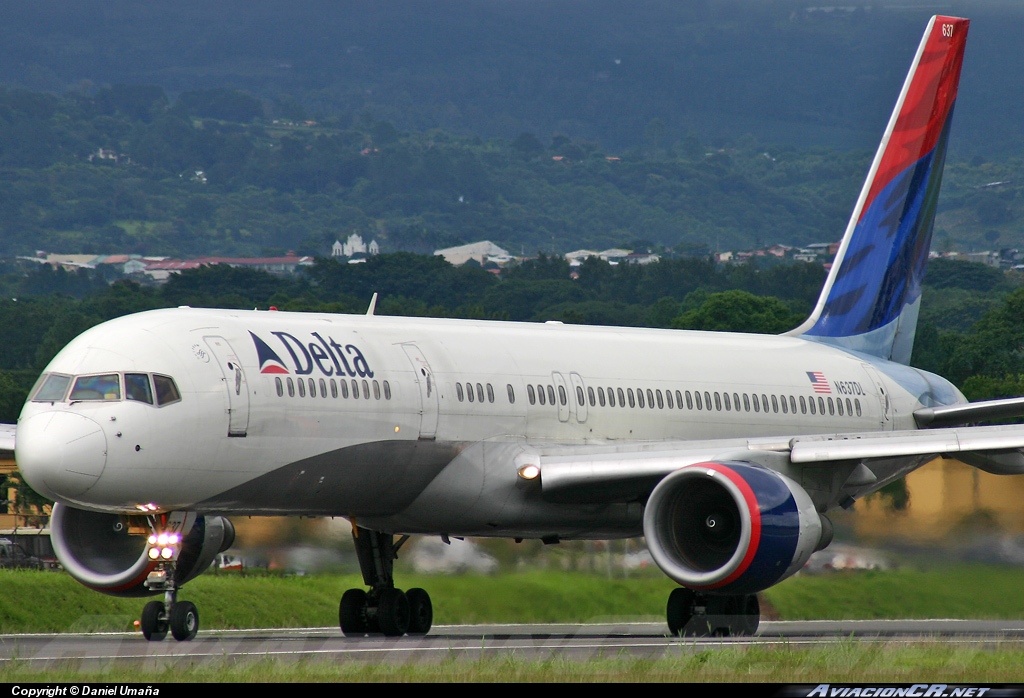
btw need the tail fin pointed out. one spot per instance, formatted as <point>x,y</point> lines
<point>871,298</point>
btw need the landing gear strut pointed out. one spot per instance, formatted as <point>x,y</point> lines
<point>693,613</point>
<point>383,609</point>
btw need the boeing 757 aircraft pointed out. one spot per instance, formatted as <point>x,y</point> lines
<point>724,450</point>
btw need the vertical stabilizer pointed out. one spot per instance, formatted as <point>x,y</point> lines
<point>872,295</point>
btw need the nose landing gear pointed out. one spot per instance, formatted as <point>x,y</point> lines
<point>383,609</point>
<point>180,617</point>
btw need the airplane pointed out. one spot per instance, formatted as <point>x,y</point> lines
<point>726,451</point>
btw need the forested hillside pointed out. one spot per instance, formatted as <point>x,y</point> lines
<point>128,170</point>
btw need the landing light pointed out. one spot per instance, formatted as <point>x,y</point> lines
<point>529,471</point>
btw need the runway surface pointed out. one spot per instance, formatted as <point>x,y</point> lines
<point>96,651</point>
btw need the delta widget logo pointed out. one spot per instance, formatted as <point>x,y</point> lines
<point>327,356</point>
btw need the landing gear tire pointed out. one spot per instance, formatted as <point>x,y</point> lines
<point>393,612</point>
<point>421,611</point>
<point>750,617</point>
<point>154,621</point>
<point>352,612</point>
<point>680,610</point>
<point>184,621</point>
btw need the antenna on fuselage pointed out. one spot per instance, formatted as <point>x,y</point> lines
<point>373,306</point>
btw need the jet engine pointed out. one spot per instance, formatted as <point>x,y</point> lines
<point>732,527</point>
<point>103,553</point>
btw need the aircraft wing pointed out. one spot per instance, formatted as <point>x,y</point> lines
<point>626,470</point>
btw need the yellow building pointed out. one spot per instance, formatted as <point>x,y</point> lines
<point>946,497</point>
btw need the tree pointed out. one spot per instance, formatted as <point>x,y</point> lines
<point>739,311</point>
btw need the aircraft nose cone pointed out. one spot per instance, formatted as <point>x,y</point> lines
<point>61,454</point>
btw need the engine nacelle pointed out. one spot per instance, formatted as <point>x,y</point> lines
<point>732,527</point>
<point>97,550</point>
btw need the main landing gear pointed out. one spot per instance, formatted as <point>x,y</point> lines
<point>694,613</point>
<point>383,609</point>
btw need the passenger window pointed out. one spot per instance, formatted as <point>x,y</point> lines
<point>355,389</point>
<point>611,397</point>
<point>561,395</point>
<point>376,390</point>
<point>344,388</point>
<point>757,402</point>
<point>593,397</point>
<point>580,399</point>
<point>707,400</point>
<point>279,385</point>
<point>511,395</point>
<point>469,392</point>
<point>632,400</point>
<point>302,387</point>
<point>312,388</point>
<point>490,393</point>
<point>458,392</point>
<point>785,407</point>
<point>839,406</point>
<point>334,388</point>
<point>803,405</point>
<point>700,401</point>
<point>366,390</point>
<point>689,402</point>
<point>639,397</point>
<point>136,387</point>
<point>856,402</point>
<point>622,397</point>
<point>387,390</point>
<point>291,387</point>
<point>679,400</point>
<point>849,407</point>
<point>551,395</point>
<point>166,390</point>
<point>831,407</point>
<point>811,405</point>
<point>661,403</point>
<point>540,395</point>
<point>728,403</point>
<point>105,387</point>
<point>650,398</point>
<point>821,406</point>
<point>792,404</point>
<point>600,397</point>
<point>746,403</point>
<point>668,399</point>
<point>323,387</point>
<point>718,403</point>
<point>479,393</point>
<point>529,393</point>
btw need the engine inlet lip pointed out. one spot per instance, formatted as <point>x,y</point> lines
<point>660,536</point>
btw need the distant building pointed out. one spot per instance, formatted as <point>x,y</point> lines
<point>480,251</point>
<point>354,245</point>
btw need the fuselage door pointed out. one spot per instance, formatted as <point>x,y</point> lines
<point>885,403</point>
<point>427,385</point>
<point>578,396</point>
<point>235,383</point>
<point>561,396</point>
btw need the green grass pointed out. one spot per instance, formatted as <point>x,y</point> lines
<point>33,601</point>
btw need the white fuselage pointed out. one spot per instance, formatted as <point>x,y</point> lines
<point>242,441</point>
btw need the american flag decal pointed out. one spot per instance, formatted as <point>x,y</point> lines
<point>819,383</point>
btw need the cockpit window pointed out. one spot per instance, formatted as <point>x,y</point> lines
<point>53,388</point>
<point>104,387</point>
<point>166,390</point>
<point>136,387</point>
